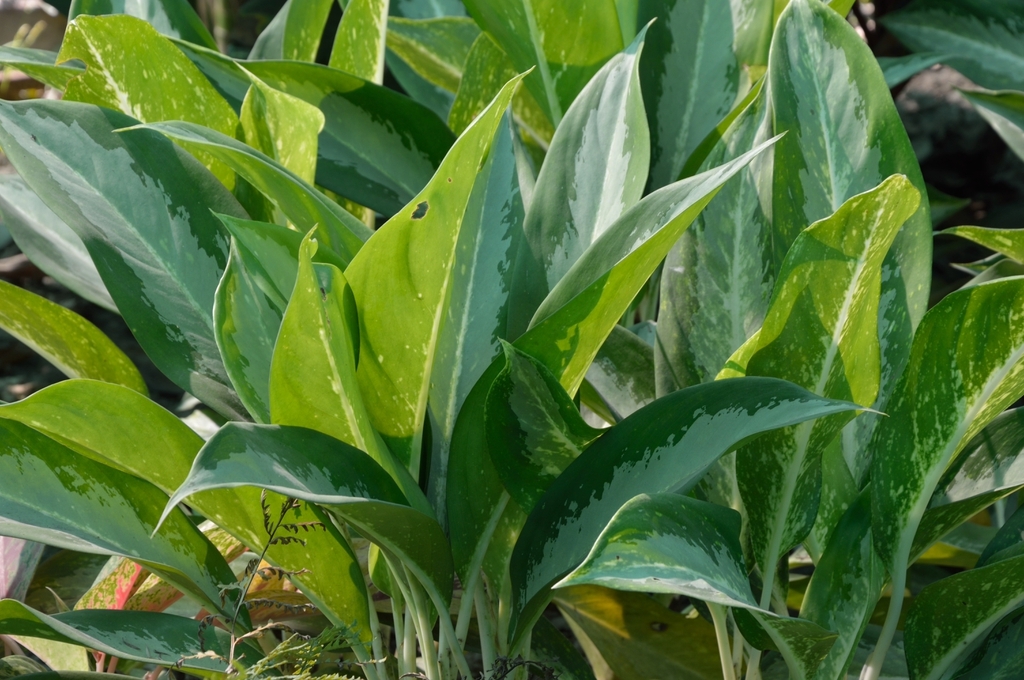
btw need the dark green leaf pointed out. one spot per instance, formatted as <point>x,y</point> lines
<point>898,69</point>
<point>436,49</point>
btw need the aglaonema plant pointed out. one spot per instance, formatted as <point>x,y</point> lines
<point>434,413</point>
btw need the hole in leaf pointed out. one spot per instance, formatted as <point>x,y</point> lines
<point>420,211</point>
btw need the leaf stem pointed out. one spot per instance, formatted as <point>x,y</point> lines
<point>485,626</point>
<point>718,616</point>
<point>873,668</point>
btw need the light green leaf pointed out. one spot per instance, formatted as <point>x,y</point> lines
<point>56,496</point>
<point>575,318</point>
<point>119,52</point>
<point>966,366</point>
<point>143,209</point>
<point>898,69</point>
<point>478,302</point>
<point>39,64</point>
<point>359,43</point>
<point>534,430</point>
<point>283,127</point>
<point>642,455</point>
<point>401,314</point>
<point>436,49</point>
<point>551,37</point>
<point>303,204</point>
<point>949,616</point>
<point>623,373</point>
<point>982,37</point>
<point>76,347</point>
<point>1004,111</point>
<point>820,332</point>
<point>173,18</point>
<point>694,71</point>
<point>147,637</point>
<point>295,31</point>
<point>49,243</point>
<point>343,480</point>
<point>845,137</point>
<point>90,418</point>
<point>717,279</point>
<point>594,172</point>
<point>668,543</point>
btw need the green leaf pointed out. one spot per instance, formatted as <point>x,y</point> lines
<point>594,172</point>
<point>1009,242</point>
<point>39,64</point>
<point>59,497</point>
<point>143,209</point>
<point>623,373</point>
<point>1004,111</point>
<point>534,430</point>
<point>668,543</point>
<point>478,302</point>
<point>694,72</point>
<point>345,481</point>
<point>845,137</point>
<point>982,37</point>
<point>578,314</point>
<point>436,49</point>
<point>294,33</point>
<point>820,332</point>
<point>401,314</point>
<point>283,127</point>
<point>553,649</point>
<point>173,18</point>
<point>965,368</point>
<point>378,148</point>
<point>359,43</point>
<point>641,455</point>
<point>301,203</point>
<point>898,69</point>
<point>1000,655</point>
<point>845,586</point>
<point>717,279</point>
<point>147,637</point>
<point>49,242</point>
<point>76,347</point>
<point>549,36</point>
<point>90,418</point>
<point>1008,542</point>
<point>949,616</point>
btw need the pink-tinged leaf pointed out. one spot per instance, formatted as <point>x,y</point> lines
<point>114,590</point>
<point>18,562</point>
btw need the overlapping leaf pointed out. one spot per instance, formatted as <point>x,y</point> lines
<point>173,18</point>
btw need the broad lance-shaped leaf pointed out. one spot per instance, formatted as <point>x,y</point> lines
<point>578,314</point>
<point>130,87</point>
<point>622,374</point>
<point>283,127</point>
<point>147,637</point>
<point>845,586</point>
<point>294,33</point>
<point>644,454</point>
<point>359,43</point>
<point>49,243</point>
<point>301,203</point>
<point>400,315</point>
<point>57,496</point>
<point>173,18</point>
<point>143,209</point>
<point>72,344</point>
<point>1004,111</point>
<point>343,480</point>
<point>668,543</point>
<point>594,171</point>
<point>436,49</point>
<point>18,562</point>
<point>534,430</point>
<point>820,332</point>
<point>1000,655</point>
<point>694,70</point>
<point>477,313</point>
<point>966,366</point>
<point>717,279</point>
<point>39,64</point>
<point>1009,242</point>
<point>899,69</point>
<point>90,418</point>
<point>250,304</point>
<point>982,37</point>
<point>312,380</point>
<point>949,616</point>
<point>844,138</point>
